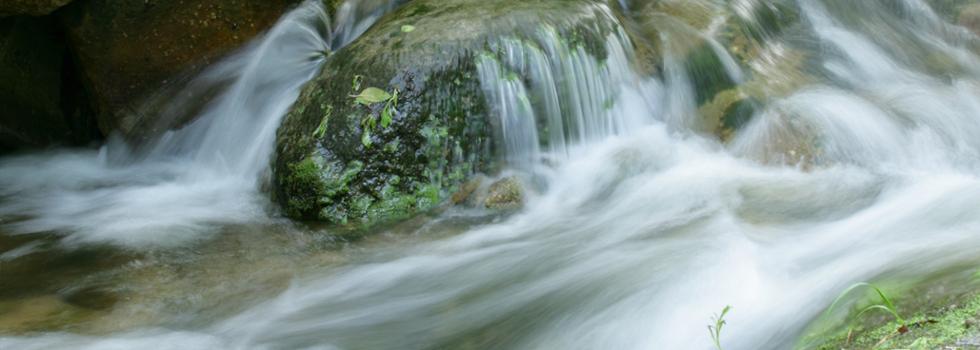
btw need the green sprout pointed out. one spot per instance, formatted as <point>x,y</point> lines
<point>719,322</point>
<point>885,304</point>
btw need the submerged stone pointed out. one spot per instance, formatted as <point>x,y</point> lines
<point>93,298</point>
<point>970,18</point>
<point>370,160</point>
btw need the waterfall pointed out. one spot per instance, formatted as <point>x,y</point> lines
<point>235,133</point>
<point>552,97</point>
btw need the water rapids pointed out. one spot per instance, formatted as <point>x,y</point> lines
<point>639,224</point>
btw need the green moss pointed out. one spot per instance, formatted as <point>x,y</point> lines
<point>360,205</point>
<point>945,312</point>
<point>428,196</point>
<point>303,180</point>
<point>393,206</point>
<point>339,179</point>
<point>947,329</point>
<point>586,38</point>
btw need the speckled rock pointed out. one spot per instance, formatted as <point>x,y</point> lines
<point>505,194</point>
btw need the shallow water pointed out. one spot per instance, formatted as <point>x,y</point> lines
<point>637,229</point>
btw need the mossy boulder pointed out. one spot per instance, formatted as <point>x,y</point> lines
<point>345,162</point>
<point>30,7</point>
<point>127,50</point>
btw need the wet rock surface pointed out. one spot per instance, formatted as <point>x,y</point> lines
<point>30,7</point>
<point>127,50</point>
<point>505,194</point>
<point>43,105</point>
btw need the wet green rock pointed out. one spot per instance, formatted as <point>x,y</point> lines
<point>128,50</point>
<point>345,162</point>
<point>707,73</point>
<point>30,7</point>
<point>953,326</point>
<point>942,312</point>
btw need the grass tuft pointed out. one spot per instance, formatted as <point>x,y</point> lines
<point>719,322</point>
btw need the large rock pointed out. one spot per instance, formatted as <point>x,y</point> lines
<point>126,50</point>
<point>39,97</point>
<point>30,7</point>
<point>340,161</point>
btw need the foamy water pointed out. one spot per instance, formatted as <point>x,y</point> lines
<point>644,228</point>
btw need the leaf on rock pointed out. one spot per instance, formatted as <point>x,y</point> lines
<point>371,95</point>
<point>386,116</point>
<point>366,138</point>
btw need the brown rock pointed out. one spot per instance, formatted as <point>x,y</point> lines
<point>505,194</point>
<point>127,50</point>
<point>30,7</point>
<point>466,191</point>
<point>38,98</point>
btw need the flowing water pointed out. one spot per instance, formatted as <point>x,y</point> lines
<point>861,162</point>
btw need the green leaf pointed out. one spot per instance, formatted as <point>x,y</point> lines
<point>321,129</point>
<point>366,138</point>
<point>408,28</point>
<point>386,116</point>
<point>372,95</point>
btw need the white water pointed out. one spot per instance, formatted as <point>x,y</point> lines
<point>647,230</point>
<point>576,95</point>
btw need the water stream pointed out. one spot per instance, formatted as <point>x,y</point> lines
<point>868,168</point>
